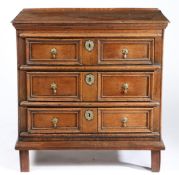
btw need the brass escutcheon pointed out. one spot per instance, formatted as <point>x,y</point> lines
<point>89,45</point>
<point>89,79</point>
<point>89,115</point>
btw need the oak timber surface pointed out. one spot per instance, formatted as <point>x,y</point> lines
<point>83,15</point>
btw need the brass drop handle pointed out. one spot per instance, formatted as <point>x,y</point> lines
<point>89,45</point>
<point>53,52</point>
<point>89,115</point>
<point>54,122</point>
<point>124,121</point>
<point>125,53</point>
<point>53,86</point>
<point>125,88</point>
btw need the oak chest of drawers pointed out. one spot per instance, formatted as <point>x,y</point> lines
<point>89,79</point>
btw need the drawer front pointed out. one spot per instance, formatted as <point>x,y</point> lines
<point>46,120</point>
<point>126,51</point>
<point>89,120</point>
<point>125,86</point>
<point>53,86</point>
<point>53,51</point>
<point>128,120</point>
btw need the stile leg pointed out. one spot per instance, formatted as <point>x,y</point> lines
<point>24,160</point>
<point>155,161</point>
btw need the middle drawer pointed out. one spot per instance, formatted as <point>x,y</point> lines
<point>90,86</point>
<point>53,86</point>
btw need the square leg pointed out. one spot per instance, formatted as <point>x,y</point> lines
<point>155,161</point>
<point>24,160</point>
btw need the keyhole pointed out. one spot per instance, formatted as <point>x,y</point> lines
<point>89,45</point>
<point>89,79</point>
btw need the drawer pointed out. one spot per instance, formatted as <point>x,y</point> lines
<point>53,86</point>
<point>89,120</point>
<point>52,51</point>
<point>125,120</point>
<point>47,120</point>
<point>126,51</point>
<point>125,86</point>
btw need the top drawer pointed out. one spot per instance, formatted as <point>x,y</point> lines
<point>52,51</point>
<point>90,51</point>
<point>126,51</point>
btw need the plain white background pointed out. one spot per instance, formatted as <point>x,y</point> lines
<point>88,162</point>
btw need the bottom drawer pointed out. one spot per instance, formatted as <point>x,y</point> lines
<point>125,120</point>
<point>89,120</point>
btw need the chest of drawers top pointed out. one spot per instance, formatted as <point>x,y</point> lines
<point>91,18</point>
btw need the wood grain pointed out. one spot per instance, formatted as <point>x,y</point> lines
<point>155,160</point>
<point>39,86</point>
<point>97,18</point>
<point>110,86</point>
<point>38,51</point>
<point>24,160</point>
<point>40,120</point>
<point>93,145</point>
<point>138,120</point>
<point>140,51</point>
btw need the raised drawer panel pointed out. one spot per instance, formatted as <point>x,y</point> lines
<point>53,86</point>
<point>126,51</point>
<point>125,86</point>
<point>47,120</point>
<point>53,51</point>
<point>125,120</point>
